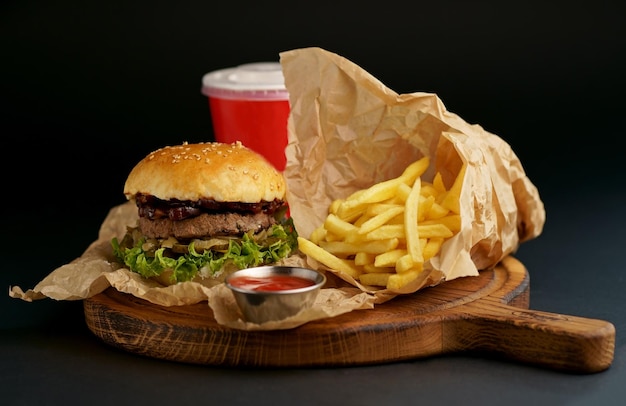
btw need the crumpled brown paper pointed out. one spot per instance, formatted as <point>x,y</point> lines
<point>348,131</point>
<point>97,270</point>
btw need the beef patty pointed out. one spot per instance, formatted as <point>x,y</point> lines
<point>206,225</point>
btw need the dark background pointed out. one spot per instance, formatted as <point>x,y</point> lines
<point>87,88</point>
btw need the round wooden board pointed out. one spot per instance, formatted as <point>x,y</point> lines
<point>487,313</point>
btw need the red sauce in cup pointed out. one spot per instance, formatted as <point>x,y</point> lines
<point>270,283</point>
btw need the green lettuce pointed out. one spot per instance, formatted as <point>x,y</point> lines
<point>249,251</point>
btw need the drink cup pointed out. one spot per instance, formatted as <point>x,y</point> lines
<point>249,103</point>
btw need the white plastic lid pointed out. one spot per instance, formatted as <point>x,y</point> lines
<point>254,81</point>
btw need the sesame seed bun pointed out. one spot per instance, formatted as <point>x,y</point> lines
<point>222,172</point>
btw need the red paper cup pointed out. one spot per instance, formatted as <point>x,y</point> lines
<point>249,103</point>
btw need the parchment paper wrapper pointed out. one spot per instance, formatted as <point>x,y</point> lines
<point>348,131</point>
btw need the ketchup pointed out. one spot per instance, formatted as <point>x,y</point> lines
<point>270,283</point>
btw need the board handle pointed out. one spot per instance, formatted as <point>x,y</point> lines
<point>556,341</point>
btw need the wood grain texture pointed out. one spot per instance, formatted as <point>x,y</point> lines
<point>485,314</point>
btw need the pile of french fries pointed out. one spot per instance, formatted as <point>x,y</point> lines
<point>382,236</point>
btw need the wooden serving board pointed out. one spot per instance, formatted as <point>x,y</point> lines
<point>487,314</point>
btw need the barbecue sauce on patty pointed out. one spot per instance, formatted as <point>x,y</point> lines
<point>205,218</point>
<point>153,208</point>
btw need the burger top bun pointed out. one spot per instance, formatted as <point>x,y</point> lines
<point>222,172</point>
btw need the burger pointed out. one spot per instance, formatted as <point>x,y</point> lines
<point>204,211</point>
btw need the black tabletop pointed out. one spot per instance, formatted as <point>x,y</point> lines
<point>86,91</point>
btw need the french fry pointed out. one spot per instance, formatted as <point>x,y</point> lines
<point>398,280</point>
<point>432,247</point>
<point>380,219</point>
<point>438,183</point>
<point>415,170</point>
<point>385,232</point>
<point>410,223</point>
<point>363,258</point>
<point>346,249</point>
<point>319,234</point>
<point>375,194</point>
<point>424,206</point>
<point>338,226</point>
<point>453,196</point>
<point>405,263</point>
<point>379,208</point>
<point>389,258</point>
<point>436,211</point>
<point>384,190</point>
<point>434,231</point>
<point>326,258</point>
<point>375,279</point>
<point>334,206</point>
